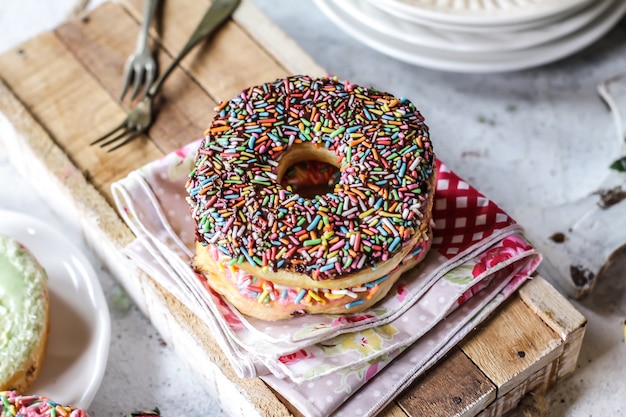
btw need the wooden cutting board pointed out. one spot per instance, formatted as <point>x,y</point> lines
<point>58,92</point>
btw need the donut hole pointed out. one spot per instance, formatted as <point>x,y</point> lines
<point>311,178</point>
<point>308,171</point>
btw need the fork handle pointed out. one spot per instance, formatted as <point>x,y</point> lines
<point>148,12</point>
<point>217,13</point>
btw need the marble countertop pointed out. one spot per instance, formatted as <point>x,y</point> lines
<point>539,136</point>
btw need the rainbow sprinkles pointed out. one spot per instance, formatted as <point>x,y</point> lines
<point>376,211</point>
<point>13,404</point>
<point>265,291</point>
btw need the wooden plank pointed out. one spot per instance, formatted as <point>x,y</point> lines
<point>231,61</point>
<point>103,49</point>
<point>511,349</point>
<point>561,316</point>
<point>72,106</point>
<point>535,385</point>
<point>275,41</point>
<point>392,410</point>
<point>456,387</point>
<point>546,302</point>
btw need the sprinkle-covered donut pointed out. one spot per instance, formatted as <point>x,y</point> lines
<point>375,214</point>
<point>13,404</point>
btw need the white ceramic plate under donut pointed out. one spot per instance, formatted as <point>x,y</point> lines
<point>80,326</point>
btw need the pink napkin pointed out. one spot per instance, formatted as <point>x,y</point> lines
<point>352,364</point>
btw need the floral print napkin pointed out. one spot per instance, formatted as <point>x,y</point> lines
<point>318,362</point>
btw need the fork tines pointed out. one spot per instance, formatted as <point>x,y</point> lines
<point>125,136</point>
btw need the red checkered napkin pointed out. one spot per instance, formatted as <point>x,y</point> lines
<point>463,217</point>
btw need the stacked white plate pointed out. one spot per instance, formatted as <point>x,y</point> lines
<point>476,35</point>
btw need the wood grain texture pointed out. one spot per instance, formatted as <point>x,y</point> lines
<point>456,387</point>
<point>231,61</point>
<point>536,385</point>
<point>103,50</point>
<point>275,43</point>
<point>561,316</point>
<point>509,350</point>
<point>59,91</point>
<point>393,410</point>
<point>72,106</point>
<point>36,155</point>
<point>558,313</point>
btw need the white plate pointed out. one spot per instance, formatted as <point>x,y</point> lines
<point>377,19</point>
<point>472,62</point>
<point>484,12</point>
<point>388,7</point>
<point>80,327</point>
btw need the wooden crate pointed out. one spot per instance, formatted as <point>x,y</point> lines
<point>58,92</point>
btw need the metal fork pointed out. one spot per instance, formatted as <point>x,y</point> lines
<point>140,118</point>
<point>141,65</point>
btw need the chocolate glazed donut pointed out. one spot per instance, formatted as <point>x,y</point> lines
<point>273,252</point>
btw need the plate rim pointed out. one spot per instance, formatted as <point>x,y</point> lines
<point>464,18</point>
<point>101,323</point>
<point>535,56</point>
<point>453,41</point>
